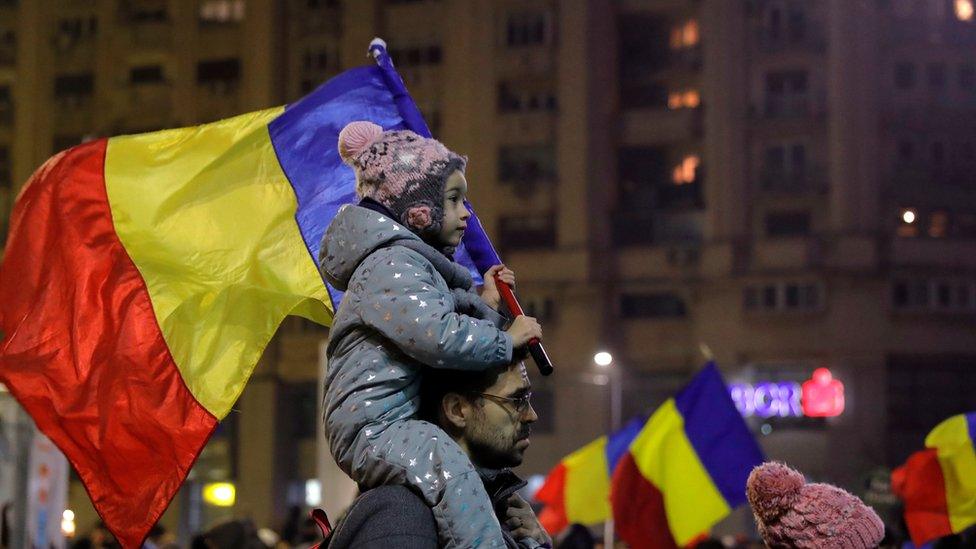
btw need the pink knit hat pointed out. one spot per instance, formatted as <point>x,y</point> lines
<point>791,513</point>
<point>402,171</point>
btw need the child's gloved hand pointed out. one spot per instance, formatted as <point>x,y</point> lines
<point>523,329</point>
<point>489,292</point>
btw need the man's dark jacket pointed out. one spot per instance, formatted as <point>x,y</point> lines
<point>393,516</point>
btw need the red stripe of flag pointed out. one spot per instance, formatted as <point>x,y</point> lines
<point>638,508</point>
<point>83,352</point>
<point>921,485</point>
<point>552,494</point>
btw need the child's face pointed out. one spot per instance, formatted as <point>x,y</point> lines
<point>455,214</point>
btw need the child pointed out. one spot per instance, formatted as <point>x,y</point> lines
<point>408,306</point>
<point>793,514</point>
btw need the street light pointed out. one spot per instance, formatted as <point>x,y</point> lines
<point>603,359</point>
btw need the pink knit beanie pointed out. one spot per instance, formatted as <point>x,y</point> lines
<point>402,171</point>
<point>791,513</point>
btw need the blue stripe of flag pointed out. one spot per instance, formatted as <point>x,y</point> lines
<point>718,433</point>
<point>619,441</point>
<point>305,139</point>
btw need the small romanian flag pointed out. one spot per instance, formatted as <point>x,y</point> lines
<point>686,469</point>
<point>577,490</point>
<point>938,484</point>
<point>144,275</point>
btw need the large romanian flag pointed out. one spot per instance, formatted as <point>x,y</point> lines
<point>686,469</point>
<point>577,489</point>
<point>144,275</point>
<point>938,484</point>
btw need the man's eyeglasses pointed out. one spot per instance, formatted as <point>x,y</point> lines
<point>522,403</point>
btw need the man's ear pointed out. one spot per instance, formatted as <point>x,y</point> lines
<point>456,410</point>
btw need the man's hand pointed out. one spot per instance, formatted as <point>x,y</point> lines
<point>489,292</point>
<point>523,523</point>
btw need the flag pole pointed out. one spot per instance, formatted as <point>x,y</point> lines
<point>475,238</point>
<point>608,533</point>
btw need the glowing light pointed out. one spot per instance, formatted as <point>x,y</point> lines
<point>685,36</point>
<point>688,99</point>
<point>603,359</point>
<point>686,172</point>
<point>964,10</point>
<point>908,216</point>
<point>68,523</point>
<point>219,494</point>
<point>823,396</point>
<point>313,493</point>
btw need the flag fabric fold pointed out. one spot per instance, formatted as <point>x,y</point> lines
<point>938,484</point>
<point>577,490</point>
<point>144,275</point>
<point>686,469</point>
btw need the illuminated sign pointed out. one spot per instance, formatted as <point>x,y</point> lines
<point>820,396</point>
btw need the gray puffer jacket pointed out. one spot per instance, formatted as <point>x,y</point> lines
<point>406,306</point>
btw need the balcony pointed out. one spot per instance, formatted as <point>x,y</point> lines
<point>657,227</point>
<point>806,39</point>
<point>792,106</point>
<point>812,180</point>
<point>955,253</point>
<point>151,35</point>
<point>659,126</point>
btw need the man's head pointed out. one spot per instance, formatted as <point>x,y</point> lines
<point>488,413</point>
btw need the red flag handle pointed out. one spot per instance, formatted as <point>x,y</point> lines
<point>535,346</point>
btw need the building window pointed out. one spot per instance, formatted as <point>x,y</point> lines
<point>527,232</point>
<point>685,35</point>
<point>513,98</point>
<point>936,75</point>
<point>527,29</point>
<point>686,172</point>
<point>417,56</point>
<point>542,308</point>
<point>76,87</point>
<point>150,74</point>
<point>652,305</point>
<point>904,75</point>
<point>787,93</point>
<point>316,4</point>
<point>934,295</point>
<point>220,75</point>
<point>145,11</point>
<point>784,166</point>
<point>684,99</point>
<point>6,181</point>
<point>785,224</point>
<point>787,296</point>
<point>527,164</point>
<point>967,77</point>
<point>221,12</point>
<point>6,106</point>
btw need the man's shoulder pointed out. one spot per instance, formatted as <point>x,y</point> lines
<point>386,516</point>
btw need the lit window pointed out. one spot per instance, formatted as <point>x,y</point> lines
<point>685,35</point>
<point>687,171</point>
<point>938,224</point>
<point>687,99</point>
<point>964,10</point>
<point>222,11</point>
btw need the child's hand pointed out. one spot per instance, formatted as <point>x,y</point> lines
<point>489,292</point>
<point>523,329</point>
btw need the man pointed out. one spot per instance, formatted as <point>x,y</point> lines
<point>490,415</point>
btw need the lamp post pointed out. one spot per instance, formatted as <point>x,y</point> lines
<point>604,360</point>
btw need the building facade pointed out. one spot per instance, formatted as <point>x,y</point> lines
<point>784,184</point>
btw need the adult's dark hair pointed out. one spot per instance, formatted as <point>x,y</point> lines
<point>437,382</point>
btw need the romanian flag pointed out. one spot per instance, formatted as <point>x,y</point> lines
<point>145,274</point>
<point>686,469</point>
<point>938,484</point>
<point>577,490</point>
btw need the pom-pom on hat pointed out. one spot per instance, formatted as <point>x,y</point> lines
<point>793,514</point>
<point>401,170</point>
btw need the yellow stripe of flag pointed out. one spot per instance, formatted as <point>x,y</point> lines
<point>957,458</point>
<point>664,455</point>
<point>588,484</point>
<point>207,216</point>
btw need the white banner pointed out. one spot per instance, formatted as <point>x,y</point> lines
<point>47,494</point>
